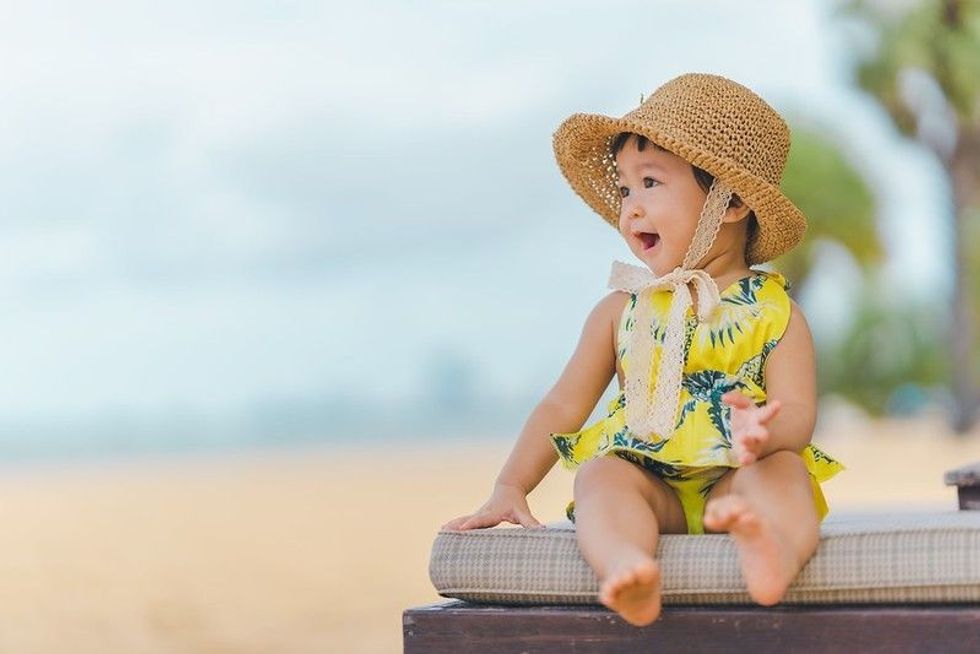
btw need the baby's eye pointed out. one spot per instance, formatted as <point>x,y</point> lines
<point>647,183</point>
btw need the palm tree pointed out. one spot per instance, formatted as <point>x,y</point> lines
<point>927,65</point>
<point>892,354</point>
<point>846,216</point>
<point>889,357</point>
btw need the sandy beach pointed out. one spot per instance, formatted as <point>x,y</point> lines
<point>312,550</point>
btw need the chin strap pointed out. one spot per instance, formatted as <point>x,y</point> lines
<point>652,418</point>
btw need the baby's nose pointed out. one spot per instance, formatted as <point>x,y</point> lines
<point>632,208</point>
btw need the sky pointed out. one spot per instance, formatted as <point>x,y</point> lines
<point>215,210</point>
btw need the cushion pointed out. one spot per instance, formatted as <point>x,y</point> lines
<point>863,557</point>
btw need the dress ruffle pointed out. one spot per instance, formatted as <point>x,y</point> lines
<point>610,435</point>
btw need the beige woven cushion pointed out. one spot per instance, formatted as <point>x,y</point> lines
<point>862,557</point>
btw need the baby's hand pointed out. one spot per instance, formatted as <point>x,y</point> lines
<point>749,433</point>
<point>506,503</point>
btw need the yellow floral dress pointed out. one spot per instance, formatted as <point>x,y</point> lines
<point>726,352</point>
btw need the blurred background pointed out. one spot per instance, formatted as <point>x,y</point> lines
<point>283,280</point>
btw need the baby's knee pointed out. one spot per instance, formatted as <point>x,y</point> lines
<point>784,462</point>
<point>599,472</point>
<point>785,458</point>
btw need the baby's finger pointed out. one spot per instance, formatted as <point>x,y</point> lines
<point>768,411</point>
<point>752,442</point>
<point>475,522</point>
<point>745,453</point>
<point>736,399</point>
<point>454,523</point>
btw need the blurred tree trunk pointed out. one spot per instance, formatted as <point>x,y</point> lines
<point>964,168</point>
<point>940,38</point>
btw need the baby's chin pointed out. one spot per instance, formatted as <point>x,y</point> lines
<point>654,266</point>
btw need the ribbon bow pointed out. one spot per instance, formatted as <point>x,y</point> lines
<point>657,418</point>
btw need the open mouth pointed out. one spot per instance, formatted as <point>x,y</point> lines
<point>649,240</point>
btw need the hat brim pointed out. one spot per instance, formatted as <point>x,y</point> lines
<point>582,150</point>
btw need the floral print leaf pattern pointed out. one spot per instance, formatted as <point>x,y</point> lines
<point>708,386</point>
<point>753,367</point>
<point>617,403</point>
<point>627,324</point>
<point>658,329</point>
<point>820,455</point>
<point>690,328</point>
<point>707,486</point>
<point>625,438</point>
<point>659,468</point>
<point>726,352</point>
<point>736,312</point>
<point>565,444</point>
<point>687,408</point>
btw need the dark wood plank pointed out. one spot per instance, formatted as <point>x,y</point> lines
<point>969,498</point>
<point>965,476</point>
<point>967,482</point>
<point>456,626</point>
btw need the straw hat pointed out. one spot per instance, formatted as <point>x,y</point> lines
<point>713,123</point>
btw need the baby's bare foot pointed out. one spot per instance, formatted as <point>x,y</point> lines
<point>768,563</point>
<point>633,590</point>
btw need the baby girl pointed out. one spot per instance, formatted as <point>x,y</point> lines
<point>710,431</point>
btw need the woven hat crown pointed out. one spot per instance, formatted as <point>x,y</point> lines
<point>717,116</point>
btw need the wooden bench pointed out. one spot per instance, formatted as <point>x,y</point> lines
<point>455,625</point>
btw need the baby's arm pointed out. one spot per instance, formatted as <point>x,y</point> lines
<point>791,381</point>
<point>571,400</point>
<point>786,421</point>
<point>564,408</point>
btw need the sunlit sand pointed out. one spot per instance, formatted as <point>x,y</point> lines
<point>315,550</point>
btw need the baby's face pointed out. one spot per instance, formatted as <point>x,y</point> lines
<point>661,205</point>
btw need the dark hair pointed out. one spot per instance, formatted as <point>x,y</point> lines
<point>701,176</point>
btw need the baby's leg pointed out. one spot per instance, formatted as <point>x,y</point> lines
<point>617,505</point>
<point>767,507</point>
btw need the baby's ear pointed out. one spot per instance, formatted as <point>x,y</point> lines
<point>736,213</point>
